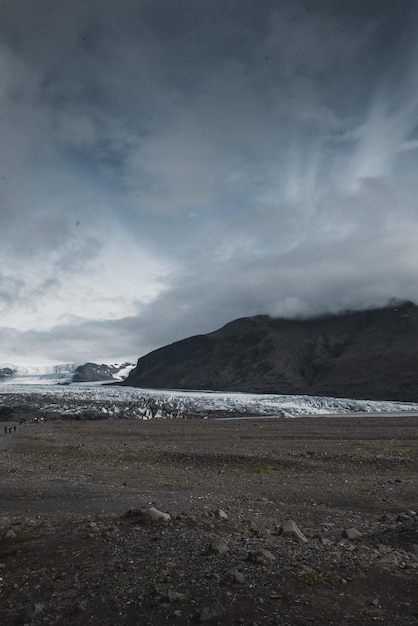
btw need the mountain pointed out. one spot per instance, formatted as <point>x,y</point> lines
<point>370,354</point>
<point>62,374</point>
<point>90,372</point>
<point>5,372</point>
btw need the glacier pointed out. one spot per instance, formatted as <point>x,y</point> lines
<point>83,400</point>
<point>42,374</point>
<point>38,374</point>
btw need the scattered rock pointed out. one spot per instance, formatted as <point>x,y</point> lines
<point>290,528</point>
<point>79,607</point>
<point>35,610</point>
<point>175,596</point>
<point>150,514</point>
<point>351,533</point>
<point>390,560</point>
<point>220,514</point>
<point>260,556</point>
<point>218,546</point>
<point>234,577</point>
<point>154,515</point>
<point>93,529</point>
<point>215,611</point>
<point>403,517</point>
<point>10,534</point>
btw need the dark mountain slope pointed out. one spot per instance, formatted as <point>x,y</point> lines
<point>365,354</point>
<point>90,372</point>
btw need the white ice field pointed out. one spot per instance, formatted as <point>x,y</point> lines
<point>134,403</point>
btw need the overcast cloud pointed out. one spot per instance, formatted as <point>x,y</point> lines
<point>167,166</point>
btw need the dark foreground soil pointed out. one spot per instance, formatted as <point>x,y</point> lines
<point>69,554</point>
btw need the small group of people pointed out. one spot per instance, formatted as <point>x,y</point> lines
<point>9,429</point>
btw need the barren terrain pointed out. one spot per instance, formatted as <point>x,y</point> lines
<point>70,553</point>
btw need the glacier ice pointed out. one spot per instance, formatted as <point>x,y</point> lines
<point>135,403</point>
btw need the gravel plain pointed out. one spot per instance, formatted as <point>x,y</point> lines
<point>78,544</point>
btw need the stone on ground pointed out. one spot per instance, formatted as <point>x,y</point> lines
<point>218,546</point>
<point>351,533</point>
<point>291,529</point>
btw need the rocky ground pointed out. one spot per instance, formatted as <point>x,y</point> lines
<point>304,521</point>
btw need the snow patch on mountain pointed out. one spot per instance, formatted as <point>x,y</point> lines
<point>124,370</point>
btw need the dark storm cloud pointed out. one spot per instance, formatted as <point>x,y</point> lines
<point>167,166</point>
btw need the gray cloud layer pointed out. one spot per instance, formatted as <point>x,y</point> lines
<point>167,166</point>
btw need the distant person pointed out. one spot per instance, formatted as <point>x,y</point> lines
<point>5,430</point>
<point>14,429</point>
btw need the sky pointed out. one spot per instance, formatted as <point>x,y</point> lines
<point>167,166</point>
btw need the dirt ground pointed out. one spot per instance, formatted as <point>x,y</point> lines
<point>71,554</point>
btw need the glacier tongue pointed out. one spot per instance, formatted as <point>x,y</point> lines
<point>98,400</point>
<point>39,374</point>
